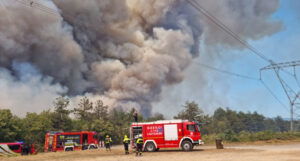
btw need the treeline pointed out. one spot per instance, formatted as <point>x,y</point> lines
<point>94,116</point>
<point>236,126</point>
<point>227,120</point>
<point>87,116</point>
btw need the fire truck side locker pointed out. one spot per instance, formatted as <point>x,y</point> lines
<point>171,132</point>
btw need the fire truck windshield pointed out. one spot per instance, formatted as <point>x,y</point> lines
<point>68,139</point>
<point>197,128</point>
<point>191,128</point>
<point>14,146</point>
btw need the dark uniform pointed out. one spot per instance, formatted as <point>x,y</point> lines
<point>25,149</point>
<point>139,146</point>
<point>107,143</point>
<point>126,142</point>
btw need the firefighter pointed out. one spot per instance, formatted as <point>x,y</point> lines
<point>107,143</point>
<point>126,142</point>
<point>32,149</point>
<point>139,145</point>
<point>25,149</point>
<point>135,116</point>
<point>101,141</point>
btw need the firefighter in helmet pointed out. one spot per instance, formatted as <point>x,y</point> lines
<point>126,142</point>
<point>139,145</point>
<point>107,142</point>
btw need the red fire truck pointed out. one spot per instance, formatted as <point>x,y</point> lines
<point>167,134</point>
<point>70,141</point>
<point>17,147</point>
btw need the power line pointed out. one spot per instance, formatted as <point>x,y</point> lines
<point>43,8</point>
<point>30,3</point>
<point>296,77</point>
<point>227,72</point>
<point>282,65</point>
<point>245,77</point>
<point>273,94</point>
<point>226,29</point>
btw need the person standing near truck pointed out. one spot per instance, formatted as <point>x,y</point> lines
<point>126,142</point>
<point>139,145</point>
<point>107,143</point>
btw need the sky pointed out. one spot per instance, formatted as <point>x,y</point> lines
<point>236,93</point>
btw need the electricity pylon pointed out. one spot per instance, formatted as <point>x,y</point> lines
<point>292,95</point>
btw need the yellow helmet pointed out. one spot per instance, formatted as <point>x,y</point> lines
<point>125,136</point>
<point>107,136</point>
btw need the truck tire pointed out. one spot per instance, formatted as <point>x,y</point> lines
<point>92,147</point>
<point>150,147</point>
<point>69,149</point>
<point>85,147</point>
<point>186,145</point>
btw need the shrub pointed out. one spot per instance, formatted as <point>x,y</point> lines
<point>245,136</point>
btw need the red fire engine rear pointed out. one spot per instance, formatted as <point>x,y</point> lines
<point>167,134</point>
<point>17,147</point>
<point>70,141</point>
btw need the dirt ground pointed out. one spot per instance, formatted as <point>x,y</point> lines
<point>253,152</point>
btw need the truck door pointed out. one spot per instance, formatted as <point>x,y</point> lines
<point>134,133</point>
<point>171,135</point>
<point>50,141</point>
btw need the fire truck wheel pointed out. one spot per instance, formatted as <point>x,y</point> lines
<point>186,146</point>
<point>150,147</point>
<point>69,149</point>
<point>85,147</point>
<point>93,147</point>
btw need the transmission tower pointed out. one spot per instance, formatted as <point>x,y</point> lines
<point>292,95</point>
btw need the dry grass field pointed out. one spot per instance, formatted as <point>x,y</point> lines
<point>254,152</point>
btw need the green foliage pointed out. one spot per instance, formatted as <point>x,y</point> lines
<point>60,117</point>
<point>101,111</point>
<point>245,136</point>
<point>236,122</point>
<point>84,111</point>
<point>121,122</point>
<point>35,126</point>
<point>229,125</point>
<point>156,117</point>
<point>10,126</point>
<point>191,112</point>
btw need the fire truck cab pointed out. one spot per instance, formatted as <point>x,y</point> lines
<point>167,134</point>
<point>70,141</point>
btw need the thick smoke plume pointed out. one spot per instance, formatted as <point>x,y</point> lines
<point>121,51</point>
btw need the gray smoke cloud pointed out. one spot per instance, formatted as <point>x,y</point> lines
<point>27,90</point>
<point>121,51</point>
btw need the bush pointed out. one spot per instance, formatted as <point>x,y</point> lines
<point>245,136</point>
